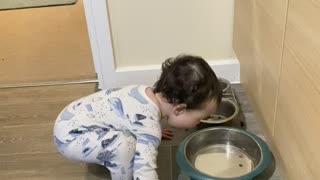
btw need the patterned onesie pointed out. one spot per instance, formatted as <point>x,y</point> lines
<point>118,129</point>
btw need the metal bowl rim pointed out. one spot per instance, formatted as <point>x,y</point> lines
<point>225,81</point>
<point>224,128</point>
<point>236,112</point>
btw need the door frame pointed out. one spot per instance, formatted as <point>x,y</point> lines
<point>96,13</point>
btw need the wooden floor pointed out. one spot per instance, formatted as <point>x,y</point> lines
<point>27,115</point>
<point>27,150</point>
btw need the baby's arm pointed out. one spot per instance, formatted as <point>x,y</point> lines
<point>167,134</point>
<point>145,160</point>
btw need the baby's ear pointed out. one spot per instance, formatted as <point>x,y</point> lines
<point>180,109</point>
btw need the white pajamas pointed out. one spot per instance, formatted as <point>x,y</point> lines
<point>118,129</point>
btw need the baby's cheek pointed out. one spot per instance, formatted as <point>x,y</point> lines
<point>179,124</point>
<point>191,124</point>
<point>196,123</point>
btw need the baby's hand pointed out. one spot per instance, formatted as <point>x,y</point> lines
<point>167,134</point>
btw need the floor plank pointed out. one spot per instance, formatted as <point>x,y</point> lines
<point>26,139</point>
<point>39,94</point>
<point>38,105</point>
<point>28,114</point>
<point>43,166</point>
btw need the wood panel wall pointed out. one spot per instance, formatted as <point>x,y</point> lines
<point>298,111</point>
<point>45,44</point>
<point>258,43</point>
<point>278,45</point>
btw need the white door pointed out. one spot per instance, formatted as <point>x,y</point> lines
<point>126,32</point>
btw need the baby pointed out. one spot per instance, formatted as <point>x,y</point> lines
<point>121,129</point>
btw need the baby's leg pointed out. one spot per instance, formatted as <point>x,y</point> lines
<point>113,149</point>
<point>118,155</point>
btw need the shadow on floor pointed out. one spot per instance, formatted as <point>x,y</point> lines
<point>97,172</point>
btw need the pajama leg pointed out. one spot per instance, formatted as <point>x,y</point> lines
<point>113,149</point>
<point>126,151</point>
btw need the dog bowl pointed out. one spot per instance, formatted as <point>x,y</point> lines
<point>222,153</point>
<point>227,111</point>
<point>224,84</point>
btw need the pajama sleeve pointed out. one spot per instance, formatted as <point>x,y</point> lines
<point>145,159</point>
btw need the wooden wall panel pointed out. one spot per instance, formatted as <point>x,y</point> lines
<point>45,44</point>
<point>297,121</point>
<point>258,43</point>
<point>243,45</point>
<point>269,28</point>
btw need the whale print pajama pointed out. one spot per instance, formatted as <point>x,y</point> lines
<point>118,129</point>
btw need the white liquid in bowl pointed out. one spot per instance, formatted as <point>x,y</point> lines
<point>224,161</point>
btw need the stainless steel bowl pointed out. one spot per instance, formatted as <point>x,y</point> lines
<point>222,153</point>
<point>224,84</point>
<point>227,111</point>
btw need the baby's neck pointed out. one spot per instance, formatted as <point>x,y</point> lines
<point>158,100</point>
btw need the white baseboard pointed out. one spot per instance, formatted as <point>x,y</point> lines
<point>148,75</point>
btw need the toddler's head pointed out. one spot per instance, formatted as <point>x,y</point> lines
<point>190,90</point>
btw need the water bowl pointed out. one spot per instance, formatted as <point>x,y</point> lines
<point>226,111</point>
<point>224,84</point>
<point>222,153</point>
